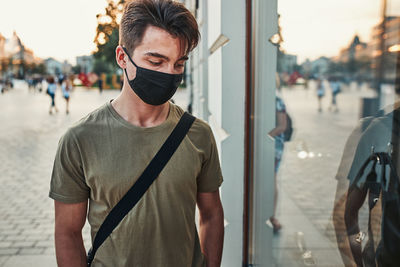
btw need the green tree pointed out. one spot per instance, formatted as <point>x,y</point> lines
<point>107,35</point>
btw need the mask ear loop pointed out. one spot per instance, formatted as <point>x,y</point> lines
<point>126,52</point>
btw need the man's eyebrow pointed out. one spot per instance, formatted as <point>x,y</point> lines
<point>154,54</point>
<point>183,58</point>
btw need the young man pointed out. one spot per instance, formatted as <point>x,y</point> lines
<point>102,156</point>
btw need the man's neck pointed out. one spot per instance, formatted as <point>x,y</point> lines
<point>132,109</point>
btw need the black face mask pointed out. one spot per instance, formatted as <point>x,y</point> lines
<point>153,87</point>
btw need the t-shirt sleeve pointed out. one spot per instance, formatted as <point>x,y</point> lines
<point>68,180</point>
<point>210,177</point>
<point>374,136</point>
<point>349,162</point>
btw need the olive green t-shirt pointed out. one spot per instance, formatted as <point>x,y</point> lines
<point>102,156</point>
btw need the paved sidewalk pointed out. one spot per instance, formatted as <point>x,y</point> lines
<point>28,142</point>
<point>307,174</point>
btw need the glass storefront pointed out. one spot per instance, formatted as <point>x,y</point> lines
<point>331,71</point>
<point>338,80</point>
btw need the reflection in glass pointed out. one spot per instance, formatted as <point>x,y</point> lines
<point>339,70</point>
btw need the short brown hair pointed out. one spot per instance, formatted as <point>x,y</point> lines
<point>171,16</point>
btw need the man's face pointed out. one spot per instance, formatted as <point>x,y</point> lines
<point>158,51</point>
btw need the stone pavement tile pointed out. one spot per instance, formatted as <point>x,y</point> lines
<point>14,237</point>
<point>50,251</point>
<point>39,237</point>
<point>23,244</point>
<point>31,251</point>
<point>5,244</point>
<point>30,261</point>
<point>13,232</point>
<point>46,244</point>
<point>9,251</point>
<point>6,226</point>
<point>3,259</point>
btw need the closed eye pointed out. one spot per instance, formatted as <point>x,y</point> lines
<point>155,63</point>
<point>180,64</point>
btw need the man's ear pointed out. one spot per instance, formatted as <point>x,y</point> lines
<point>120,57</point>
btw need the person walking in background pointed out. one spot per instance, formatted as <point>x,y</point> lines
<point>335,88</point>
<point>66,87</point>
<point>51,91</point>
<point>278,134</point>
<point>100,81</point>
<point>320,93</point>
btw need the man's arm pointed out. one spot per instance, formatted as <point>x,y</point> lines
<point>281,124</point>
<point>211,227</point>
<point>69,221</point>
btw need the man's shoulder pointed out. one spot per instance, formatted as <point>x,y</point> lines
<point>199,126</point>
<point>200,132</point>
<point>202,127</point>
<point>89,123</point>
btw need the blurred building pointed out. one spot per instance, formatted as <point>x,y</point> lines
<point>306,68</point>
<point>286,62</point>
<point>320,66</point>
<point>15,56</point>
<point>391,35</point>
<point>85,63</point>
<point>354,61</point>
<point>3,59</point>
<point>361,60</point>
<point>359,50</point>
<point>356,50</point>
<point>53,66</point>
<point>66,67</point>
<point>2,46</point>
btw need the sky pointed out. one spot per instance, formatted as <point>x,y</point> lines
<point>64,29</point>
<point>314,28</point>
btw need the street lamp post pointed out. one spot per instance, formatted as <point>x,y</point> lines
<point>381,56</point>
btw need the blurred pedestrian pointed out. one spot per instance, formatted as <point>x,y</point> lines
<point>66,87</point>
<point>39,84</point>
<point>100,84</point>
<point>29,81</point>
<point>335,89</point>
<point>51,91</point>
<point>320,93</point>
<point>278,134</point>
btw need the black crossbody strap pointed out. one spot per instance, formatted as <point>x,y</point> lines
<point>140,187</point>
